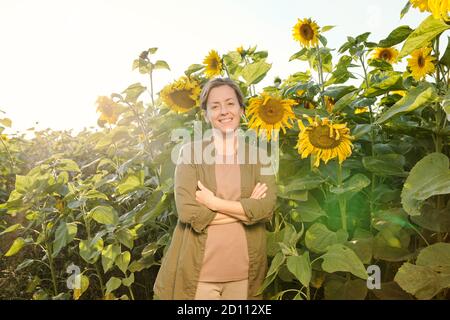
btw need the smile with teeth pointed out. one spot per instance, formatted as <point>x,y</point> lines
<point>226,120</point>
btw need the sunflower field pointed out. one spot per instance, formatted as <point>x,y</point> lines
<point>363,209</point>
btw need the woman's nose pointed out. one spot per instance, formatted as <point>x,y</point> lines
<point>223,110</point>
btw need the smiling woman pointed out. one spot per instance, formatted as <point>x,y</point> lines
<point>218,249</point>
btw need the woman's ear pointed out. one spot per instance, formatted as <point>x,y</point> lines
<point>205,115</point>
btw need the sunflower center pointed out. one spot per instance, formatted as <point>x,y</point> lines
<point>107,110</point>
<point>386,55</point>
<point>271,112</point>
<point>182,98</point>
<point>421,61</point>
<point>213,64</point>
<point>320,138</point>
<point>306,31</point>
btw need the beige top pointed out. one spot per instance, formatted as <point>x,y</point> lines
<point>226,253</point>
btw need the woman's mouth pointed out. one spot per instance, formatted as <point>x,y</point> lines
<point>226,120</point>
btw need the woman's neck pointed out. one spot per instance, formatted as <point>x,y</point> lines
<point>226,144</point>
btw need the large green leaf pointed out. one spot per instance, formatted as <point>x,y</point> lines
<point>431,273</point>
<point>161,64</point>
<point>385,164</point>
<point>277,261</point>
<point>345,290</point>
<point>95,194</point>
<point>6,122</point>
<point>109,255</point>
<point>302,182</point>
<point>90,250</point>
<point>131,182</point>
<point>12,228</point>
<point>341,258</point>
<point>382,82</point>
<point>64,234</point>
<point>430,176</point>
<point>128,281</point>
<point>434,219</point>
<point>255,72</point>
<point>344,101</point>
<point>355,184</point>
<point>362,244</point>
<point>123,260</point>
<point>17,245</point>
<point>24,183</point>
<point>423,34</point>
<point>126,237</point>
<point>396,36</point>
<point>67,165</point>
<point>104,215</point>
<point>437,255</point>
<point>310,210</point>
<point>300,266</point>
<point>112,284</point>
<point>318,237</point>
<point>417,97</point>
<point>290,235</point>
<point>133,92</point>
<point>420,281</point>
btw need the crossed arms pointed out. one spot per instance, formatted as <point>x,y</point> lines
<point>202,208</point>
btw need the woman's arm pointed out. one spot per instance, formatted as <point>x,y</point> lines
<point>188,209</point>
<point>260,210</point>
<point>221,218</point>
<point>231,208</point>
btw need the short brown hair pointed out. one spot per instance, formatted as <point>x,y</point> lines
<point>218,82</point>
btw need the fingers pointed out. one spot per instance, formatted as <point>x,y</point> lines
<point>259,191</point>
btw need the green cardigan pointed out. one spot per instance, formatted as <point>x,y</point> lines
<point>180,268</point>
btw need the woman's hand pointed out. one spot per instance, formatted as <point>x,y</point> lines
<point>259,191</point>
<point>205,196</point>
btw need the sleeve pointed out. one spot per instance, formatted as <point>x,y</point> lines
<point>261,210</point>
<point>189,210</point>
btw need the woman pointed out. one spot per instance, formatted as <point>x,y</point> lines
<point>218,249</point>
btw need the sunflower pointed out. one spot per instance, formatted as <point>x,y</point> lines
<point>306,32</point>
<point>213,64</point>
<point>421,63</point>
<point>181,95</point>
<point>324,139</point>
<point>240,50</point>
<point>387,54</point>
<point>109,110</point>
<point>4,137</point>
<point>439,8</point>
<point>422,5</point>
<point>269,112</point>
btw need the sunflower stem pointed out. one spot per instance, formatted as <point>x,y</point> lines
<point>342,201</point>
<point>372,140</point>
<point>252,86</point>
<point>151,85</point>
<point>320,72</point>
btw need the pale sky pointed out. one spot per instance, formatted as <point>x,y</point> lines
<point>58,56</point>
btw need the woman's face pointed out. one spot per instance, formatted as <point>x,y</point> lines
<point>223,110</point>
